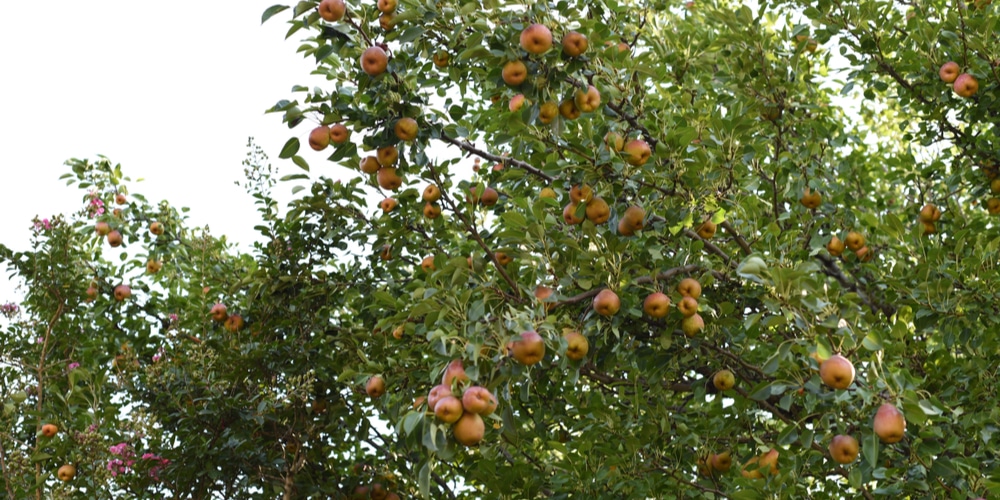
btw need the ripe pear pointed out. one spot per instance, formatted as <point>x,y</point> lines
<point>218,312</point>
<point>631,221</point>
<point>115,238</point>
<point>811,199</point>
<point>656,305</point>
<point>529,349</point>
<point>470,429</point>
<point>432,193</point>
<point>598,211</point>
<point>548,112</point>
<point>688,306</point>
<point>375,387</point>
<point>432,211</point>
<point>837,372</point>
<point>514,73</point>
<point>835,247</point>
<point>693,324</point>
<point>889,424</point>
<point>536,39</point>
<point>606,303</point>
<point>427,264</point>
<point>577,346</point>
<point>479,400</point>
<point>574,44</point>
<point>637,152</point>
<point>568,110</point>
<point>768,462</point>
<point>581,193</point>
<point>388,178</point>
<point>689,287</point>
<point>234,323</point>
<point>707,229</point>
<point>854,240</point>
<point>370,165</point>
<point>406,129</point>
<point>448,409</point>
<point>66,473</point>
<point>436,394</point>
<point>844,449</point>
<point>724,380</point>
<point>454,371</point>
<point>569,214</point>
<point>930,213</point>
<point>721,462</point>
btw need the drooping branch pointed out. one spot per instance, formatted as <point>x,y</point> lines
<point>469,147</point>
<point>475,235</point>
<point>665,275</point>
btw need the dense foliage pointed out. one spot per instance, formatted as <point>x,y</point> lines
<point>554,190</point>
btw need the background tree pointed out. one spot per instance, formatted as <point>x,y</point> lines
<point>701,249</point>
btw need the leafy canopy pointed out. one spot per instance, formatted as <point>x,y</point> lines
<point>825,183</point>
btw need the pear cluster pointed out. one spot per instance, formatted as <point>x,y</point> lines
<point>456,401</point>
<point>963,84</point>
<point>231,322</point>
<point>855,242</point>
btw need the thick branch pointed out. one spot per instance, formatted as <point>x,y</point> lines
<point>736,236</point>
<point>469,147</point>
<point>711,247</point>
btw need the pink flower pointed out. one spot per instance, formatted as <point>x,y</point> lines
<point>73,366</point>
<point>46,224</point>
<point>173,317</point>
<point>120,449</point>
<point>156,357</point>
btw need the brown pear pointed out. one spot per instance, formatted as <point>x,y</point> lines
<point>529,349</point>
<point>470,429</point>
<point>607,303</point>
<point>375,387</point>
<point>454,372</point>
<point>837,372</point>
<point>656,305</point>
<point>844,449</point>
<point>577,346</point>
<point>889,425</point>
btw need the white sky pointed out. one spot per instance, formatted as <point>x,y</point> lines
<point>171,90</point>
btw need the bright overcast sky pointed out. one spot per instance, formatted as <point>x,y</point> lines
<point>171,90</point>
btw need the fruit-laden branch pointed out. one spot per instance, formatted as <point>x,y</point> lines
<point>830,269</point>
<point>475,235</point>
<point>635,124</point>
<point>665,275</point>
<point>467,146</point>
<point>774,410</point>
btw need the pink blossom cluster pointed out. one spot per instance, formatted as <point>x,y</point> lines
<point>72,366</point>
<point>96,206</point>
<point>154,471</point>
<point>9,309</point>
<point>126,463</point>
<point>44,223</point>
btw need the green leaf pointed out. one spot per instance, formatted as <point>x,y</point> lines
<point>869,449</point>
<point>290,148</point>
<point>301,162</point>
<point>271,11</point>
